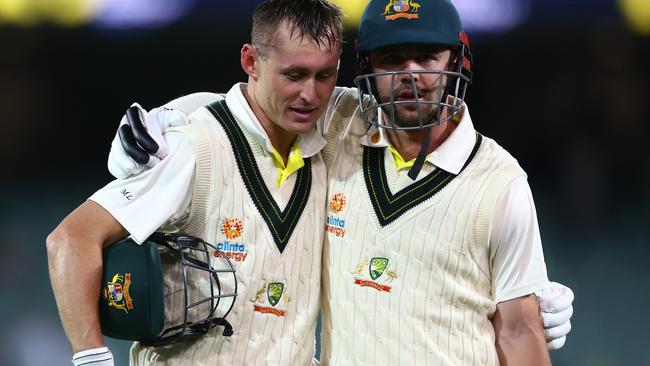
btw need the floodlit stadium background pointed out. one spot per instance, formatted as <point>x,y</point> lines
<point>564,85</point>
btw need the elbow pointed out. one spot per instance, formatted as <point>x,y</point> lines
<point>68,251</point>
<point>54,243</point>
<point>60,247</point>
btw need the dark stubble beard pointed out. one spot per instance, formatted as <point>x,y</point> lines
<point>406,114</point>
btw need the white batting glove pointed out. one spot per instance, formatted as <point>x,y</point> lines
<point>93,357</point>
<point>555,302</point>
<point>146,145</point>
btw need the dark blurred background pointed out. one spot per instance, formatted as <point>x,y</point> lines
<point>563,85</point>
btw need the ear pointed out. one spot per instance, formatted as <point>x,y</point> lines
<point>249,60</point>
<point>452,64</point>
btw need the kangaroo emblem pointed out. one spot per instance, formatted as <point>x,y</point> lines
<point>388,7</point>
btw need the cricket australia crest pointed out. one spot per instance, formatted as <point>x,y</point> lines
<point>116,292</point>
<point>275,301</point>
<point>401,9</point>
<point>379,274</point>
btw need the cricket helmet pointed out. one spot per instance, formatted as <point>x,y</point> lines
<point>386,23</point>
<point>171,288</point>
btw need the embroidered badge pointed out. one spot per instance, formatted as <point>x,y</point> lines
<point>116,292</point>
<point>337,203</point>
<point>336,225</point>
<point>378,271</point>
<point>401,9</point>
<point>275,297</point>
<point>232,228</point>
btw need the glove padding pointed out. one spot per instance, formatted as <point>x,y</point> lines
<point>139,143</point>
<point>101,356</point>
<point>555,302</point>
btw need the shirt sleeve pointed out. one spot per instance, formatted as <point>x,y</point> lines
<point>156,197</point>
<point>324,122</point>
<point>517,258</point>
<point>191,102</point>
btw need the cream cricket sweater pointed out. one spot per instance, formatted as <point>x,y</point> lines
<point>274,243</point>
<point>406,267</point>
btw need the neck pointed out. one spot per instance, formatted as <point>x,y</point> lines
<point>409,143</point>
<point>280,139</point>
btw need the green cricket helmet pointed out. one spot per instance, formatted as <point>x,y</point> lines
<point>172,288</point>
<point>390,23</point>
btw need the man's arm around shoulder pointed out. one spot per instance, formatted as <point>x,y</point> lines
<point>520,333</point>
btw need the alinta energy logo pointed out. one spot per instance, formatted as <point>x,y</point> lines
<point>275,301</point>
<point>378,274</point>
<point>401,9</point>
<point>232,228</point>
<point>336,225</point>
<point>116,292</point>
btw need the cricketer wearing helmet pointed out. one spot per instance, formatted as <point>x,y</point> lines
<point>440,255</point>
<point>432,249</point>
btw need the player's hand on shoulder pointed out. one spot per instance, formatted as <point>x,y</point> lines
<point>93,357</point>
<point>556,304</point>
<point>139,143</point>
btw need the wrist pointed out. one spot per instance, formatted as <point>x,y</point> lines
<point>101,356</point>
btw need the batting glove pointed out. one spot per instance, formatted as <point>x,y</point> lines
<point>139,143</point>
<point>93,357</point>
<point>555,302</point>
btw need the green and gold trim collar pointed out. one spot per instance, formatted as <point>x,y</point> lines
<point>280,223</point>
<point>389,207</point>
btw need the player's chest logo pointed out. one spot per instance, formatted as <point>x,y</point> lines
<point>335,223</point>
<point>374,273</point>
<point>232,228</point>
<point>275,302</point>
<point>230,244</point>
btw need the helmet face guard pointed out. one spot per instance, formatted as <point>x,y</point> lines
<point>429,107</point>
<point>203,293</point>
<point>170,289</point>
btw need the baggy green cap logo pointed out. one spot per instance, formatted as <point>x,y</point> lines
<point>401,9</point>
<point>377,267</point>
<point>274,292</point>
<point>116,292</point>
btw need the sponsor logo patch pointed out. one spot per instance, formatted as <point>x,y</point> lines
<point>338,202</point>
<point>232,229</point>
<point>336,225</point>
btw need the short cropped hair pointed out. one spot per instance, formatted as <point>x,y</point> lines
<point>319,19</point>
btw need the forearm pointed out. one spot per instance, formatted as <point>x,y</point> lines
<point>75,277</point>
<point>75,264</point>
<point>519,333</point>
<point>528,347</point>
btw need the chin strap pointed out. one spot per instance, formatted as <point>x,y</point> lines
<point>422,155</point>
